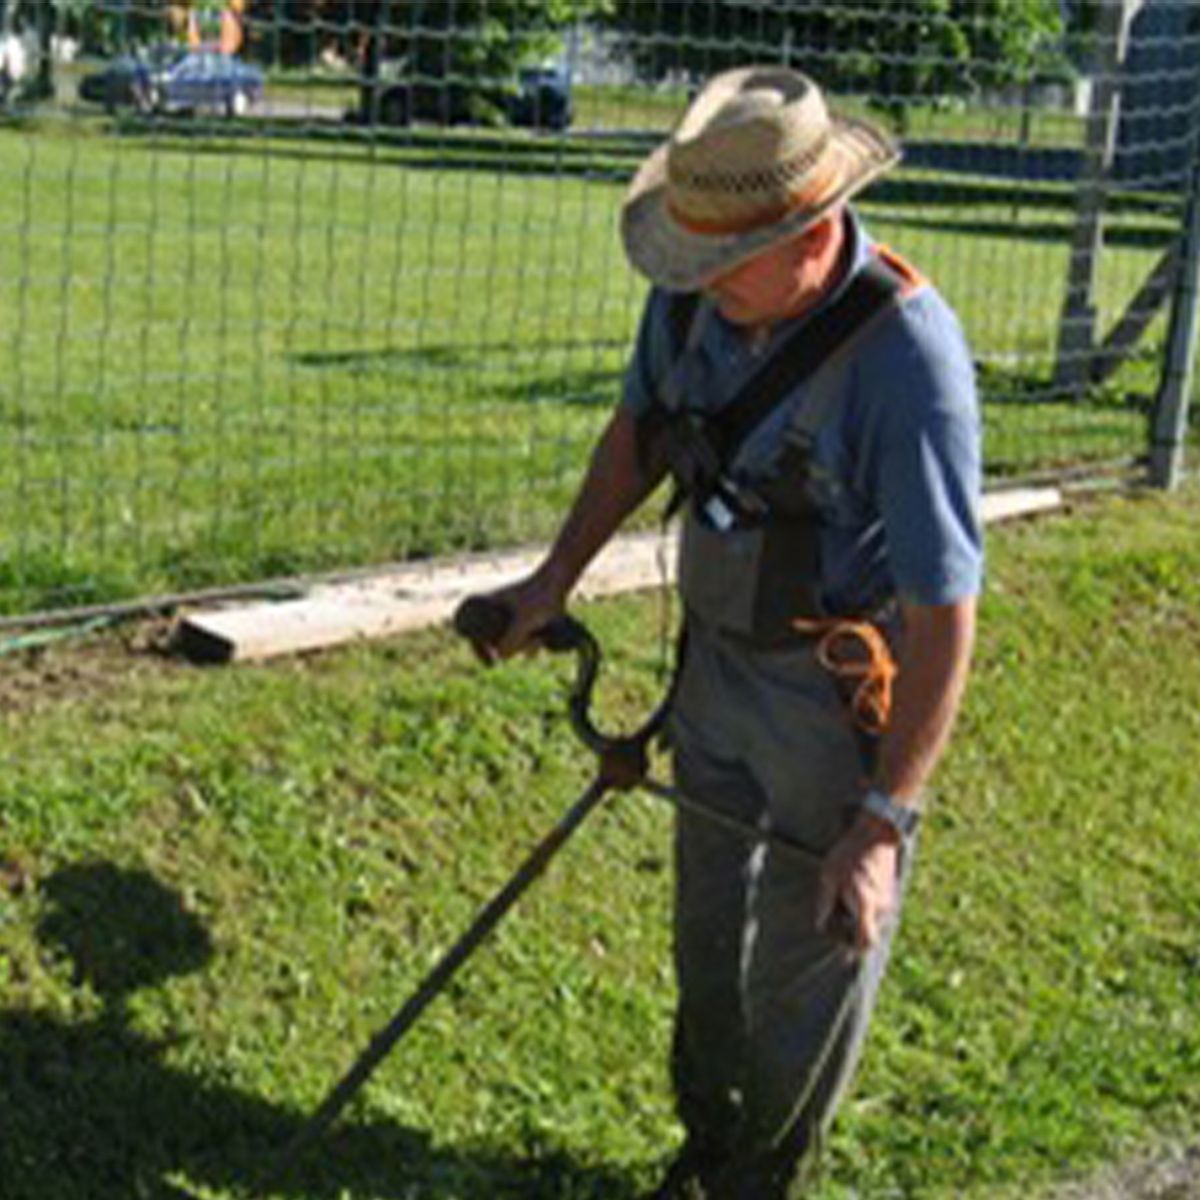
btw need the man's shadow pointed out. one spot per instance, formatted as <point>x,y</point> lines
<point>90,1110</point>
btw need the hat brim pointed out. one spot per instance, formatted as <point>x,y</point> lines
<point>681,260</point>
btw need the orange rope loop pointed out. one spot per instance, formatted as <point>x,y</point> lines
<point>856,650</point>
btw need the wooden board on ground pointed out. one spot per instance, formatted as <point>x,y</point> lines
<point>413,596</point>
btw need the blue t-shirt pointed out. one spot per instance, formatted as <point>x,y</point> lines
<point>897,460</point>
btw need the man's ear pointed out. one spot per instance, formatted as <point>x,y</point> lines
<point>817,237</point>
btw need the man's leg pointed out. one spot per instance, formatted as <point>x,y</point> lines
<point>772,1012</point>
<point>712,870</point>
<point>806,998</point>
<point>807,1003</point>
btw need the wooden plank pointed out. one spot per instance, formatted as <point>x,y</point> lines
<point>1008,503</point>
<point>403,598</point>
<point>395,600</point>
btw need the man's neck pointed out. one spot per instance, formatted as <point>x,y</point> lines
<point>830,273</point>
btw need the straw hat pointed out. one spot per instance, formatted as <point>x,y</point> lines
<point>757,159</point>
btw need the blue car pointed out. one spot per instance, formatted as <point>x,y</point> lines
<point>171,79</point>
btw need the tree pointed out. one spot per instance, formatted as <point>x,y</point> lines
<point>108,26</point>
<point>437,38</point>
<point>895,52</point>
<point>475,45</point>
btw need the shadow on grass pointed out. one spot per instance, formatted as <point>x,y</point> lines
<point>1005,387</point>
<point>1051,232</point>
<point>998,385</point>
<point>597,385</point>
<point>92,1111</point>
<point>35,579</point>
<point>602,157</point>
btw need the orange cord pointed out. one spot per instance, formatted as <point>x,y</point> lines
<point>856,650</point>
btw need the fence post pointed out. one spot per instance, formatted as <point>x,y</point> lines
<point>1077,326</point>
<point>1183,338</point>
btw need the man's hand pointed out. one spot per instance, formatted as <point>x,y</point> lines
<point>532,603</point>
<point>859,874</point>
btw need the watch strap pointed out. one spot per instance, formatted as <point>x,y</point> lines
<point>903,818</point>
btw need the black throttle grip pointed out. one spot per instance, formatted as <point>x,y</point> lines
<point>484,621</point>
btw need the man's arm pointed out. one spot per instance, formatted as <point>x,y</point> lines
<point>616,483</point>
<point>934,663</point>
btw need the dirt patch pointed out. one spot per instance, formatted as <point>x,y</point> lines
<point>1172,1174</point>
<point>73,668</point>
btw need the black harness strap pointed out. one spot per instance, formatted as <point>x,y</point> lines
<point>684,324</point>
<point>702,446</point>
<point>803,354</point>
<point>771,514</point>
<point>681,312</point>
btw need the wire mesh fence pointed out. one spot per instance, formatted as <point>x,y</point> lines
<point>297,286</point>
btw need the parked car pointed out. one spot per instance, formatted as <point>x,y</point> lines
<point>541,99</point>
<point>437,102</point>
<point>171,79</point>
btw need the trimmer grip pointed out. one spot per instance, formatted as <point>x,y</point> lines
<point>484,621</point>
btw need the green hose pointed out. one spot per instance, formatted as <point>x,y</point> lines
<point>43,637</point>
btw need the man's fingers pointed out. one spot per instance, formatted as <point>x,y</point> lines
<point>853,900</point>
<point>843,913</point>
<point>868,927</point>
<point>484,653</point>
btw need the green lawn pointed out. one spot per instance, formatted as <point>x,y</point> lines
<point>236,357</point>
<point>234,876</point>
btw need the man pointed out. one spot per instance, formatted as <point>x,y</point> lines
<point>814,400</point>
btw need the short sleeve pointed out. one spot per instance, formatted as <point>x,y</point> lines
<point>923,454</point>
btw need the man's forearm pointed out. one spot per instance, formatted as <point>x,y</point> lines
<point>934,663</point>
<point>860,869</point>
<point>615,484</point>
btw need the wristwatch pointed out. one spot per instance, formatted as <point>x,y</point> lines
<point>903,818</point>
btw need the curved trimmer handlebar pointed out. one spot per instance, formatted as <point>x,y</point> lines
<point>484,621</point>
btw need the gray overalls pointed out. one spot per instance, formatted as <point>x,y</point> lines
<point>771,1012</point>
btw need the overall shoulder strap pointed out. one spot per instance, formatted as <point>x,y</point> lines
<point>870,293</point>
<point>687,316</point>
<point>681,311</point>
